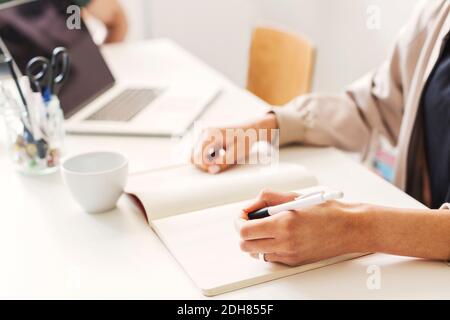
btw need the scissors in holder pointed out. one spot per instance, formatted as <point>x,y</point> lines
<point>47,76</point>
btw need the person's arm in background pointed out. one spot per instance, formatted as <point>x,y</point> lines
<point>112,15</point>
<point>347,121</point>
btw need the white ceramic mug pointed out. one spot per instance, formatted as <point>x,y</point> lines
<point>96,180</point>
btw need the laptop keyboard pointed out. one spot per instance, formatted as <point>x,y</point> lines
<point>126,105</point>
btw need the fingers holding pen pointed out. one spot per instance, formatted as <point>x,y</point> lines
<point>255,229</point>
<point>269,198</point>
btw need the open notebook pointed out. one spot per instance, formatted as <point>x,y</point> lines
<point>193,214</point>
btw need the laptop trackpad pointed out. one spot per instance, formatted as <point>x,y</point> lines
<point>126,105</point>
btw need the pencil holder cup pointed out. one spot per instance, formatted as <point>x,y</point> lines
<point>35,134</point>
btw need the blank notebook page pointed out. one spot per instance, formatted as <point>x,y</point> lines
<point>206,244</point>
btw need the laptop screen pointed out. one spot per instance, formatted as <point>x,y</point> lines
<point>35,28</point>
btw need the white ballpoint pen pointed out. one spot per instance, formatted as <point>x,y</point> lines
<point>313,199</point>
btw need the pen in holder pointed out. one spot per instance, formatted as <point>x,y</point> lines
<point>35,132</point>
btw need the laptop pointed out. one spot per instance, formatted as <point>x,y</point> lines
<point>92,100</point>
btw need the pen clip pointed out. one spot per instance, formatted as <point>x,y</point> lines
<point>310,194</point>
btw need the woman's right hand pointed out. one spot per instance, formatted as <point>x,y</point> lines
<point>220,148</point>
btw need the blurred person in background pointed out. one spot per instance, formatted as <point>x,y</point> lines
<point>109,12</point>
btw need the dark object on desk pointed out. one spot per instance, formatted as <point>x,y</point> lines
<point>47,76</point>
<point>42,148</point>
<point>60,67</point>
<point>259,214</point>
<point>37,73</point>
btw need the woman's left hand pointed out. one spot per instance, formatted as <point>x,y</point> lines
<point>299,237</point>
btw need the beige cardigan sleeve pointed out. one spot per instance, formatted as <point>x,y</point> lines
<point>372,104</point>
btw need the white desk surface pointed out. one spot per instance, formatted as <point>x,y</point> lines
<point>50,248</point>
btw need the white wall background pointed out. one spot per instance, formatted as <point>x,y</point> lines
<point>219,31</point>
<point>137,16</point>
